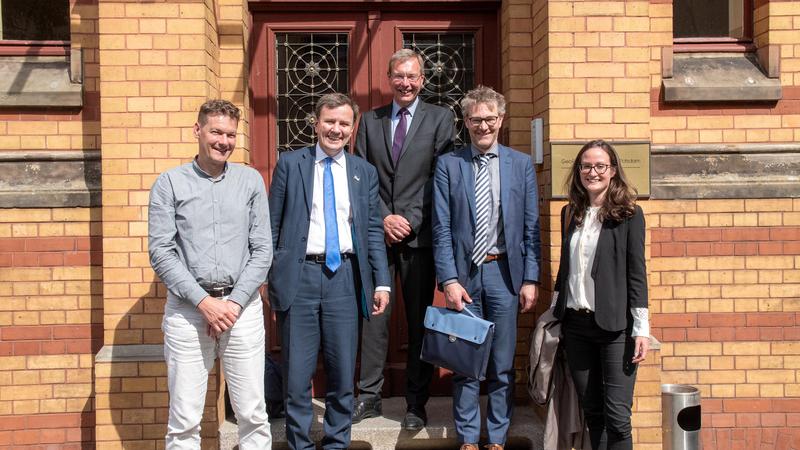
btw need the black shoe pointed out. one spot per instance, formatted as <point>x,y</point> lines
<point>365,409</point>
<point>415,419</point>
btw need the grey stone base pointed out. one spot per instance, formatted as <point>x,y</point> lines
<point>384,433</point>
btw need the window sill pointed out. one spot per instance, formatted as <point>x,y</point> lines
<point>41,81</point>
<point>714,77</point>
<point>49,179</point>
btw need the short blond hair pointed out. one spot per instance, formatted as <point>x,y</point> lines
<point>485,95</point>
<point>405,54</point>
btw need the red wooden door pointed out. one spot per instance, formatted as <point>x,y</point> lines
<point>296,57</point>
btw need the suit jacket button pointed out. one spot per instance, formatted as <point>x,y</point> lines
<point>300,260</point>
<point>302,239</point>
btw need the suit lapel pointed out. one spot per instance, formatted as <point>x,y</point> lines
<point>306,166</point>
<point>384,115</point>
<point>468,179</point>
<point>505,175</point>
<point>604,235</point>
<point>354,178</point>
<point>419,117</point>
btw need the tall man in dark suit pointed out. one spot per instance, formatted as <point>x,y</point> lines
<point>487,249</point>
<point>402,140</point>
<point>329,259</point>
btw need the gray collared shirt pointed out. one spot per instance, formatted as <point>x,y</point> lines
<point>205,230</point>
<point>497,240</point>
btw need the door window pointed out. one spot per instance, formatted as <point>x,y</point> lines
<point>449,70</point>
<point>308,66</point>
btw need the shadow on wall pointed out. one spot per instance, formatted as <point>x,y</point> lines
<point>135,405</point>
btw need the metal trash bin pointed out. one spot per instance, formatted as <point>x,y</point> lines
<point>680,417</point>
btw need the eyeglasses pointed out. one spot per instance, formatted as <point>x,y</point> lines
<point>414,77</point>
<point>477,121</point>
<point>598,168</point>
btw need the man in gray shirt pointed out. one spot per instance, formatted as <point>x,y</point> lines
<point>210,243</point>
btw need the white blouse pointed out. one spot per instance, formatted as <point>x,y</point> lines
<point>580,284</point>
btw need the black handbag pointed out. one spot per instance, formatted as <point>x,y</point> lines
<point>458,342</point>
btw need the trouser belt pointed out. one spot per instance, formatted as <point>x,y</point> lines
<point>320,259</point>
<point>218,291</point>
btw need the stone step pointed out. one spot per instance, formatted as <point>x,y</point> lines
<point>384,433</point>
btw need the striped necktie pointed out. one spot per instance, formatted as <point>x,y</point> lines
<point>483,208</point>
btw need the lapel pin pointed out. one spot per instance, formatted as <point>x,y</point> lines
<point>355,177</point>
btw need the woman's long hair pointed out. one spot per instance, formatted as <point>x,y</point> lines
<point>620,197</point>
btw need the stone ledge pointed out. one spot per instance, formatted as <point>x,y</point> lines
<point>384,433</point>
<point>130,353</point>
<point>725,171</point>
<point>710,77</point>
<point>49,179</point>
<point>42,81</point>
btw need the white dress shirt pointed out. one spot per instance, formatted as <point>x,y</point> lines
<point>344,214</point>
<point>580,284</point>
<point>344,219</point>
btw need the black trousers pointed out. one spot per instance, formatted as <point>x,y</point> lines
<point>600,363</point>
<point>417,281</point>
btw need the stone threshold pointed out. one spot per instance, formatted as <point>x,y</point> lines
<point>384,433</point>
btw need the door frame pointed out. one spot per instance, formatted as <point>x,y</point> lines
<point>369,25</point>
<point>290,13</point>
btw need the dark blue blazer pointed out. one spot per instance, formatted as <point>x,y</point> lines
<point>454,215</point>
<point>290,198</point>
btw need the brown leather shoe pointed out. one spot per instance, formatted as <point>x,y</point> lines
<point>469,447</point>
<point>494,447</point>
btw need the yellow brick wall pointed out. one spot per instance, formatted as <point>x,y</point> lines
<point>133,406</point>
<point>775,24</point>
<point>598,62</point>
<point>152,85</point>
<point>603,66</point>
<point>50,287</point>
<point>726,276</point>
<point>161,61</point>
<point>54,129</point>
<point>590,69</point>
<point>590,80</point>
<point>50,324</point>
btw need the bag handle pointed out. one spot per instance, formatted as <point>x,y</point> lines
<point>469,312</point>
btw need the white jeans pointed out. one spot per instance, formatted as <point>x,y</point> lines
<point>190,354</point>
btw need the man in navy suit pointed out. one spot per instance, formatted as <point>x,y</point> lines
<point>329,258</point>
<point>487,252</point>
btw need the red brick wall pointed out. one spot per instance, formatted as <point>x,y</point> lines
<point>50,326</point>
<point>726,274</point>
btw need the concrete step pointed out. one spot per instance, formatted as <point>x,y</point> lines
<point>384,433</point>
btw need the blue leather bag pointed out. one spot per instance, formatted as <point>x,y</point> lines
<point>458,341</point>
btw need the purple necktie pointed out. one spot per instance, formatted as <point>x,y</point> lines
<point>399,135</point>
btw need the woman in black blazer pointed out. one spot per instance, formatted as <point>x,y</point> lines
<point>602,292</point>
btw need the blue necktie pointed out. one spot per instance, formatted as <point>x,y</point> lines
<point>333,259</point>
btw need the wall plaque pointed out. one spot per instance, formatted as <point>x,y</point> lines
<point>635,158</point>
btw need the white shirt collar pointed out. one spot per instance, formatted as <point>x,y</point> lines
<point>320,155</point>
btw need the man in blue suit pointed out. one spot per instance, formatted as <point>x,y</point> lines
<point>487,252</point>
<point>329,258</point>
